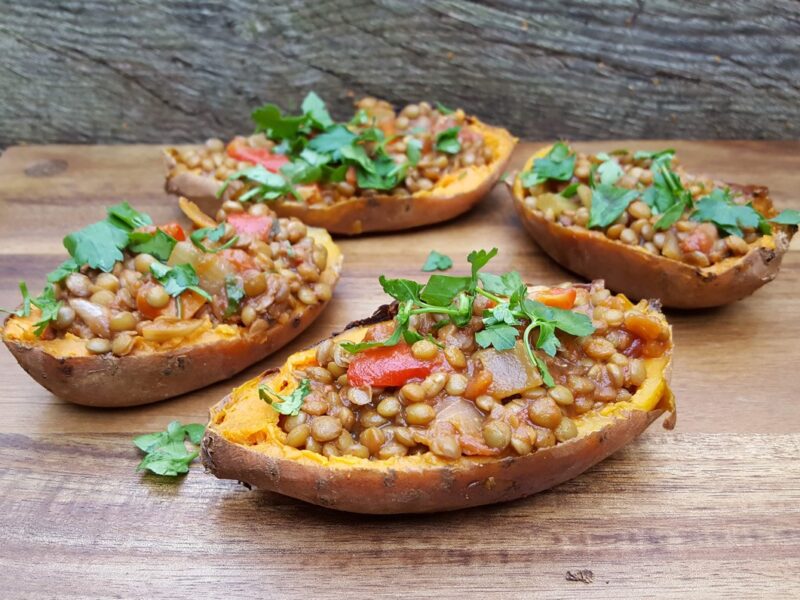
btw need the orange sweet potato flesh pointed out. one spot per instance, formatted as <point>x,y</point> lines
<point>153,372</point>
<point>455,194</point>
<point>243,442</point>
<point>635,272</point>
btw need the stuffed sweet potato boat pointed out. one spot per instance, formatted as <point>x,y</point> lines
<point>140,314</point>
<point>466,391</point>
<point>649,228</point>
<point>381,171</point>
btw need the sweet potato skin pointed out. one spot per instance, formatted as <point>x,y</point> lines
<point>633,271</point>
<point>110,381</point>
<point>452,485</point>
<point>358,214</point>
<point>462,484</point>
<point>115,381</point>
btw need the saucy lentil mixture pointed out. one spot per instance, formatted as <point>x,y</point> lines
<point>453,392</point>
<point>319,161</point>
<point>647,199</point>
<point>129,281</point>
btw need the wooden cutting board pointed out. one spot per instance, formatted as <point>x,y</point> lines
<point>712,508</point>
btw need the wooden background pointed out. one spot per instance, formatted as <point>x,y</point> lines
<point>711,509</point>
<point>152,71</point>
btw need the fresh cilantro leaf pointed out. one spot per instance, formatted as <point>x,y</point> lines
<point>437,262</point>
<point>610,172</point>
<point>502,285</point>
<point>558,165</point>
<point>25,311</point>
<point>787,217</point>
<point>357,155</point>
<point>608,203</point>
<point>270,186</point>
<point>570,190</point>
<point>447,141</point>
<point>441,290</point>
<point>235,293</point>
<point>729,217</point>
<point>501,313</point>
<point>443,109</point>
<point>385,175</point>
<point>158,243</point>
<point>213,234</point>
<point>166,452</point>
<point>479,259</point>
<point>178,279</point>
<point>360,118</point>
<point>317,113</point>
<point>659,156</point>
<point>332,141</point>
<point>286,405</point>
<point>500,336</point>
<point>413,151</point>
<point>62,271</point>
<point>276,126</point>
<point>670,217</point>
<point>123,215</point>
<point>48,304</point>
<point>401,289</point>
<point>98,245</point>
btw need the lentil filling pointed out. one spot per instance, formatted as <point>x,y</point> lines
<point>447,394</point>
<point>379,151</point>
<point>648,200</point>
<point>250,271</point>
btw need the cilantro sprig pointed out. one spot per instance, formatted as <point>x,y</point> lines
<point>213,234</point>
<point>321,150</point>
<point>513,316</point>
<point>286,405</point>
<point>166,452</point>
<point>558,165</point>
<point>178,279</point>
<point>437,261</point>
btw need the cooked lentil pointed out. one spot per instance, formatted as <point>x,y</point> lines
<point>434,412</point>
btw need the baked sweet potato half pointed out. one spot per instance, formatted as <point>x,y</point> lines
<point>141,313</point>
<point>462,393</point>
<point>381,171</point>
<point>651,229</point>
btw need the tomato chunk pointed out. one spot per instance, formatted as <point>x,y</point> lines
<point>257,156</point>
<point>558,298</point>
<point>387,366</point>
<point>257,227</point>
<point>171,229</point>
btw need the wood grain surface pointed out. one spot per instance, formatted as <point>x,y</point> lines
<point>711,509</point>
<point>97,71</point>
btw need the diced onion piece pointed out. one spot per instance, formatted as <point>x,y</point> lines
<point>96,317</point>
<point>512,372</point>
<point>162,330</point>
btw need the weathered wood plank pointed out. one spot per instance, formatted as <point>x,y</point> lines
<point>75,511</point>
<point>708,510</point>
<point>93,71</point>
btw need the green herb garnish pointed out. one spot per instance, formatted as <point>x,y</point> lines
<point>166,452</point>
<point>443,109</point>
<point>558,165</point>
<point>453,298</point>
<point>156,243</point>
<point>235,293</point>
<point>447,141</point>
<point>178,279</point>
<point>213,234</point>
<point>608,203</point>
<point>437,262</point>
<point>286,405</point>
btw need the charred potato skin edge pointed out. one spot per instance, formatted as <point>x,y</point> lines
<point>359,214</point>
<point>637,273</point>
